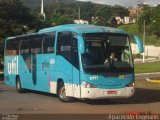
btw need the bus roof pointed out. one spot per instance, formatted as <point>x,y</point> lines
<point>83,28</point>
<point>21,36</point>
<point>78,28</point>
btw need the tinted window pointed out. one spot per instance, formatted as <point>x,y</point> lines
<point>64,45</point>
<point>48,42</point>
<point>36,44</point>
<point>12,47</point>
<point>25,46</point>
<point>31,44</point>
<point>68,48</point>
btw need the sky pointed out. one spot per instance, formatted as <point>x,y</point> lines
<point>126,3</point>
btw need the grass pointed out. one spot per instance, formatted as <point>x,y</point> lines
<point>130,28</point>
<point>148,85</point>
<point>133,29</point>
<point>147,67</point>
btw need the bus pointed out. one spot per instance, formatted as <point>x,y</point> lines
<point>72,61</point>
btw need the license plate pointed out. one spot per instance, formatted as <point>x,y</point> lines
<point>110,92</point>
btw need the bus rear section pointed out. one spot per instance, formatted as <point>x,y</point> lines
<point>29,61</point>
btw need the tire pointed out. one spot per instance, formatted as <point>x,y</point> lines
<point>61,93</point>
<point>18,85</point>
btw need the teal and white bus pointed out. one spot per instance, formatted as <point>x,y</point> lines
<point>72,61</point>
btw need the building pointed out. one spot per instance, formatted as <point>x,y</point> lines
<point>81,21</point>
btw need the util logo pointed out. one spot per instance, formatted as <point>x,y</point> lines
<point>13,66</point>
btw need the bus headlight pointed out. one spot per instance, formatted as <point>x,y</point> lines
<point>88,85</point>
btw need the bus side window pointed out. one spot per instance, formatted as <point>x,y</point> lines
<point>36,44</point>
<point>25,47</point>
<point>12,47</point>
<point>48,42</point>
<point>64,45</point>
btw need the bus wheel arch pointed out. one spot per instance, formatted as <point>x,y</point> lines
<point>61,92</point>
<point>18,85</point>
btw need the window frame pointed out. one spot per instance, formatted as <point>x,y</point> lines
<point>71,36</point>
<point>16,48</point>
<point>53,40</point>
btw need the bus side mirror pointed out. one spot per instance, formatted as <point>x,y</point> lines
<point>81,44</point>
<point>139,43</point>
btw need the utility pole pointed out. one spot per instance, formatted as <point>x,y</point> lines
<point>137,11</point>
<point>42,10</point>
<point>144,37</point>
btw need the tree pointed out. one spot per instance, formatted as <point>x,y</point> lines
<point>107,14</point>
<point>145,16</point>
<point>104,15</point>
<point>60,20</point>
<point>113,22</point>
<point>155,18</point>
<point>151,17</point>
<point>14,18</point>
<point>119,11</point>
<point>87,11</point>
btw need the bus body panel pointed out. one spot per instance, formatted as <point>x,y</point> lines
<point>98,93</point>
<point>109,81</point>
<point>42,72</point>
<point>70,76</point>
<point>11,69</point>
<point>76,83</point>
<point>45,67</point>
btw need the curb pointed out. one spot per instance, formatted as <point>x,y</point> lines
<point>138,74</point>
<point>153,81</point>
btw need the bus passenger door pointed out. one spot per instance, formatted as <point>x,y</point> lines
<point>67,65</point>
<point>76,68</point>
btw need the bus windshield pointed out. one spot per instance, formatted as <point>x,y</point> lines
<point>107,53</point>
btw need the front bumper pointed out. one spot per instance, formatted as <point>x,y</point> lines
<point>98,93</point>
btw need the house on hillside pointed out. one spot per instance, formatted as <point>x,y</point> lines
<point>81,21</point>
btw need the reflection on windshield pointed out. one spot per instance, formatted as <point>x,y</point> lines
<point>109,52</point>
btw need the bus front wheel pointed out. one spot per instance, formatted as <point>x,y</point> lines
<point>61,93</point>
<point>18,85</point>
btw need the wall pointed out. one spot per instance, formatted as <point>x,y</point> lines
<point>149,50</point>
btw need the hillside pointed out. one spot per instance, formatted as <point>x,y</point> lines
<point>33,4</point>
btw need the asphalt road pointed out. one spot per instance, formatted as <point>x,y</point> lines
<point>145,100</point>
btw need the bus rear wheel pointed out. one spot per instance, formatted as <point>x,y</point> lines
<point>18,85</point>
<point>61,93</point>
